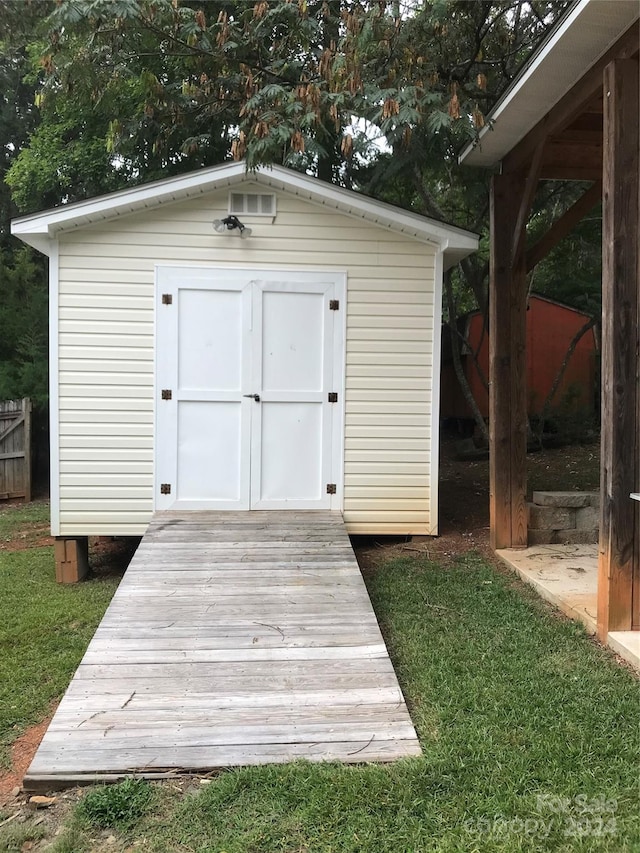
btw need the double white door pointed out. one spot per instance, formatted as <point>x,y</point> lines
<point>248,366</point>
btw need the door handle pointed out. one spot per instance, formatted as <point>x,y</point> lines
<point>255,397</point>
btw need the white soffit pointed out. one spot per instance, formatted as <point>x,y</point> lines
<point>585,34</point>
<point>40,229</point>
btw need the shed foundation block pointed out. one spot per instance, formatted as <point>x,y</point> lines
<point>72,559</point>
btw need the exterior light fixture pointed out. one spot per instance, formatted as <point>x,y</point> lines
<point>231,223</point>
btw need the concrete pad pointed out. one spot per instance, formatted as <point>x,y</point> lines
<point>564,575</point>
<point>567,577</point>
<point>627,645</point>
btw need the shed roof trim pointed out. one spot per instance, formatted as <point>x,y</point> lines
<point>40,228</point>
<point>585,34</point>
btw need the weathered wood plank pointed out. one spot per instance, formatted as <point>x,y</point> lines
<point>272,639</point>
<point>15,449</point>
<point>66,720</point>
<point>265,613</point>
<point>242,573</point>
<point>234,638</point>
<point>87,699</point>
<point>213,627</point>
<point>250,654</point>
<point>121,737</point>
<point>268,668</point>
<point>61,759</point>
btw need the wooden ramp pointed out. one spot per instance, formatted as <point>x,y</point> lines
<point>233,639</point>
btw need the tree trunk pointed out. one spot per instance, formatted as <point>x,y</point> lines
<point>556,382</point>
<point>457,363</point>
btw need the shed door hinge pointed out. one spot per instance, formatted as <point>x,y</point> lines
<point>166,393</point>
<point>333,397</point>
<point>331,488</point>
<point>167,299</point>
<point>165,488</point>
<point>334,304</point>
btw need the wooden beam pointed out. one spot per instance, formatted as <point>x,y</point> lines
<point>562,158</point>
<point>519,415</point>
<point>507,372</point>
<point>27,411</point>
<point>590,120</point>
<point>564,225</point>
<point>574,102</point>
<point>577,172</point>
<point>19,420</point>
<point>524,208</point>
<point>635,594</point>
<point>620,461</point>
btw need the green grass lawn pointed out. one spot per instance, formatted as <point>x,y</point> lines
<point>18,521</point>
<point>44,627</point>
<point>529,732</point>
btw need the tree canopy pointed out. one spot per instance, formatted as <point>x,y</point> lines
<point>376,95</point>
<point>23,284</point>
<point>164,86</point>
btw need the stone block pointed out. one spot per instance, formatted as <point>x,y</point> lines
<point>550,517</point>
<point>562,499</point>
<point>588,517</point>
<point>578,536</point>
<point>594,499</point>
<point>541,537</point>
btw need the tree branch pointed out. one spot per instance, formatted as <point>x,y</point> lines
<point>457,363</point>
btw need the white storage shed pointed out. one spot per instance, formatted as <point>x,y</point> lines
<point>288,359</point>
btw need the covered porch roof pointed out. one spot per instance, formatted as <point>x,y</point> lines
<point>571,114</point>
<point>583,38</point>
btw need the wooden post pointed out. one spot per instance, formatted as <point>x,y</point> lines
<point>72,558</point>
<point>27,409</point>
<point>507,372</point>
<point>620,452</point>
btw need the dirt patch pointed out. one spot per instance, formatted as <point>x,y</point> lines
<point>35,540</point>
<point>110,555</point>
<point>42,823</point>
<point>25,533</point>
<point>464,502</point>
<point>22,753</point>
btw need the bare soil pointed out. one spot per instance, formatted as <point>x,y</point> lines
<point>29,534</point>
<point>22,753</point>
<point>464,500</point>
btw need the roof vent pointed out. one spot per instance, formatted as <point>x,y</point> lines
<point>252,204</point>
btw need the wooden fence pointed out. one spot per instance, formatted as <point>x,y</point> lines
<point>15,449</point>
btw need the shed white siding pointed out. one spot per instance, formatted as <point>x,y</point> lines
<point>106,355</point>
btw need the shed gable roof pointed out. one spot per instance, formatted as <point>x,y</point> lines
<point>579,40</point>
<point>40,229</point>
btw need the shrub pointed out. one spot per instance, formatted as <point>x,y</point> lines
<point>116,806</point>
